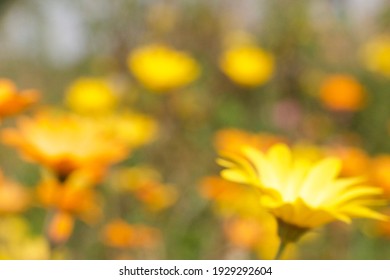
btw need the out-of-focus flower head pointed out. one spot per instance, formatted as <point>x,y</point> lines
<point>231,198</point>
<point>131,128</point>
<point>145,184</point>
<point>257,234</point>
<point>13,101</point>
<point>65,143</point>
<point>232,139</point>
<point>300,193</point>
<point>379,172</point>
<point>73,198</point>
<point>13,197</point>
<point>161,68</point>
<point>247,64</point>
<point>342,93</point>
<point>376,55</point>
<point>16,242</point>
<point>120,234</point>
<point>76,195</point>
<point>60,227</point>
<point>355,161</point>
<point>91,96</point>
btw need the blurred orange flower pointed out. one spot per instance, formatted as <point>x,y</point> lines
<point>231,139</point>
<point>355,161</point>
<point>60,227</point>
<point>161,68</point>
<point>75,196</point>
<point>230,198</point>
<point>13,101</point>
<point>145,184</point>
<point>65,142</point>
<point>379,173</point>
<point>13,197</point>
<point>121,234</point>
<point>342,93</point>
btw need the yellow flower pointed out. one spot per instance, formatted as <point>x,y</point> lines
<point>161,68</point>
<point>91,95</point>
<point>65,142</point>
<point>376,55</point>
<point>17,243</point>
<point>13,101</point>
<point>342,93</point>
<point>247,65</point>
<point>298,192</point>
<point>131,128</point>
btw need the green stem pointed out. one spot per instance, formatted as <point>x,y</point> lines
<point>282,248</point>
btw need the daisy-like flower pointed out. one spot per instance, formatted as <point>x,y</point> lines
<point>13,101</point>
<point>91,96</point>
<point>300,193</point>
<point>342,93</point>
<point>161,68</point>
<point>64,143</point>
<point>247,65</point>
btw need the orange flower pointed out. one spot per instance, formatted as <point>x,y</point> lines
<point>65,143</point>
<point>245,233</point>
<point>379,172</point>
<point>13,198</point>
<point>230,198</point>
<point>13,101</point>
<point>355,162</point>
<point>145,184</point>
<point>230,139</point>
<point>74,196</point>
<point>342,93</point>
<point>60,227</point>
<point>120,234</point>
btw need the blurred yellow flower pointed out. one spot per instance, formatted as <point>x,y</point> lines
<point>65,142</point>
<point>91,96</point>
<point>121,234</point>
<point>17,243</point>
<point>376,55</point>
<point>161,68</point>
<point>298,192</point>
<point>145,184</point>
<point>342,93</point>
<point>13,197</point>
<point>131,128</point>
<point>13,101</point>
<point>247,65</point>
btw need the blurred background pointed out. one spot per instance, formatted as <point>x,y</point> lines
<point>314,74</point>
